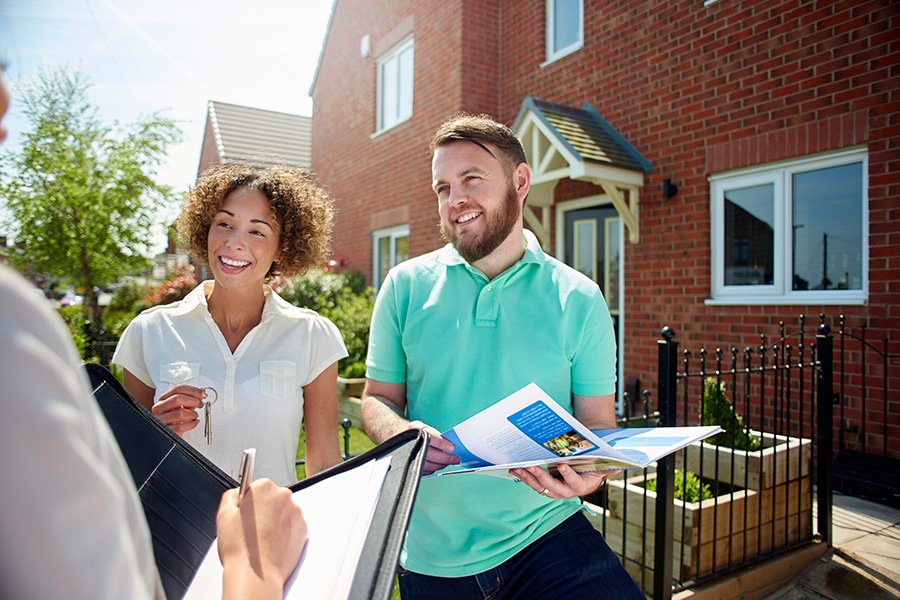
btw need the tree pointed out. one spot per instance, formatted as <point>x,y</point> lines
<point>81,197</point>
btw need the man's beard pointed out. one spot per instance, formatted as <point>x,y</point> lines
<point>497,228</point>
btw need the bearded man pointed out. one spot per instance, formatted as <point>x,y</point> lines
<point>462,327</point>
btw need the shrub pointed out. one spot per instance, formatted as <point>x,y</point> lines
<point>176,286</point>
<point>127,301</point>
<point>718,410</point>
<point>347,302</point>
<point>77,322</point>
<point>687,485</point>
<point>129,297</point>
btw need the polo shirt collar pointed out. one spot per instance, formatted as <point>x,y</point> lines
<point>533,253</point>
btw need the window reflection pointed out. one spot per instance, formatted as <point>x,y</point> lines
<point>566,26</point>
<point>827,228</point>
<point>749,235</point>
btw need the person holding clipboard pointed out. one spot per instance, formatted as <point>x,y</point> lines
<point>70,521</point>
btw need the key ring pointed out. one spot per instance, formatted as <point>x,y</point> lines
<point>207,413</point>
<point>215,395</point>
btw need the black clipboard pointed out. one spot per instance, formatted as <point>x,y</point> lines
<point>180,491</point>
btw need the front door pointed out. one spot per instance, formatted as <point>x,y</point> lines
<point>592,238</point>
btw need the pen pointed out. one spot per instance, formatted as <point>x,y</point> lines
<point>245,473</point>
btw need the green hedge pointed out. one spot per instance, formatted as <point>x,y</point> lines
<point>347,302</point>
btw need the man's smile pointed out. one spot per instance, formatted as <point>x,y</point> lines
<point>466,217</point>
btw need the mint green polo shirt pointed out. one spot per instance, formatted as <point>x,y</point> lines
<point>461,342</point>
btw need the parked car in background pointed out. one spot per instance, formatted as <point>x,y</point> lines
<point>70,298</point>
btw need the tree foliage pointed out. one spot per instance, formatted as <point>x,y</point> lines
<point>82,197</point>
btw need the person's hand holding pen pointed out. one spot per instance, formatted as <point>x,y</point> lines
<point>260,539</point>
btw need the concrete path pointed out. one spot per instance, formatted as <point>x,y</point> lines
<point>865,562</point>
<point>868,531</point>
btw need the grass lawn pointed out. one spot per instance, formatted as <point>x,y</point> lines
<point>359,442</point>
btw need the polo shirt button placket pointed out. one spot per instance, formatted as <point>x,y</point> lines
<point>487,306</point>
<point>229,388</point>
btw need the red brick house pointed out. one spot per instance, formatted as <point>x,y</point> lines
<point>716,166</point>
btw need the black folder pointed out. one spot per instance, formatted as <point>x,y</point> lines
<point>180,492</point>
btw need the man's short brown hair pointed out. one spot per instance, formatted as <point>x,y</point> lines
<point>481,130</point>
<point>303,209</point>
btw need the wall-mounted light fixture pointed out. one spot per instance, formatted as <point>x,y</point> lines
<point>669,189</point>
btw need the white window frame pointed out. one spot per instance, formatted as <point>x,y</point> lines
<point>383,124</point>
<point>393,233</point>
<point>780,175</point>
<point>554,55</point>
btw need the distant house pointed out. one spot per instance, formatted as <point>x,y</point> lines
<point>263,137</point>
<point>714,166</point>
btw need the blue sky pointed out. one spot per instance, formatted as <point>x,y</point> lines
<point>143,56</point>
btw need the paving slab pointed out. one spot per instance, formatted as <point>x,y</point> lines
<point>868,532</point>
<point>836,576</point>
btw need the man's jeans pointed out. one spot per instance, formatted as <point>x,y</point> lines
<point>570,561</point>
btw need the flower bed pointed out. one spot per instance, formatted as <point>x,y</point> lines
<point>728,529</point>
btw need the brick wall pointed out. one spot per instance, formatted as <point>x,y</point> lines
<point>370,175</point>
<point>697,90</point>
<point>209,154</point>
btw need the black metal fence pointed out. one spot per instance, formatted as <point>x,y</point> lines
<point>864,465</point>
<point>759,499</point>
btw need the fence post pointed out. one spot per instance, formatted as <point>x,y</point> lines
<point>346,425</point>
<point>825,425</point>
<point>665,468</point>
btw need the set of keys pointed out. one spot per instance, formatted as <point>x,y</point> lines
<point>207,412</point>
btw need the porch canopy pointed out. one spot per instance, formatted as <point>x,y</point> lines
<point>565,142</point>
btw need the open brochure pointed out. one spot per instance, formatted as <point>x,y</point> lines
<point>528,428</point>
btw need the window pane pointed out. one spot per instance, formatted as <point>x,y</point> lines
<point>402,249</point>
<point>567,23</point>
<point>827,236</point>
<point>384,257</point>
<point>389,92</point>
<point>749,235</point>
<point>585,247</point>
<point>405,85</point>
<point>611,293</point>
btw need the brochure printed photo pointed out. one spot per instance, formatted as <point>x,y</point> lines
<point>528,428</point>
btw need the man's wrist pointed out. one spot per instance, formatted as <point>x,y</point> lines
<point>382,419</point>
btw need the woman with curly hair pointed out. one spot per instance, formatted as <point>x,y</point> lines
<point>232,354</point>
